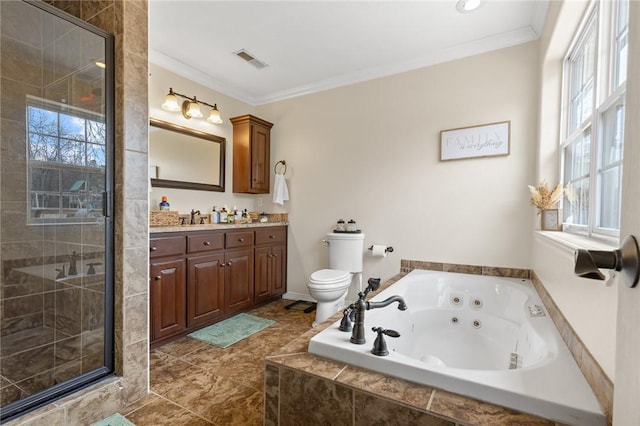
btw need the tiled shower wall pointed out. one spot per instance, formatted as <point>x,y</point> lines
<point>127,20</point>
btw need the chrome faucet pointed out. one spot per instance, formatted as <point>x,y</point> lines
<point>355,311</point>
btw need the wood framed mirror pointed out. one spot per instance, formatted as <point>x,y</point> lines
<point>184,158</point>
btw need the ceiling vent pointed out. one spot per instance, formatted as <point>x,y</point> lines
<point>243,54</point>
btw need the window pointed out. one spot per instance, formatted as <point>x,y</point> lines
<point>593,136</point>
<point>66,156</point>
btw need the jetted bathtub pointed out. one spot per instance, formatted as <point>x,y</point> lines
<point>485,337</point>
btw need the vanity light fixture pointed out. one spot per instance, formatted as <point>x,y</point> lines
<point>468,6</point>
<point>190,107</point>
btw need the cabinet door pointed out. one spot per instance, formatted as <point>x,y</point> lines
<point>260,153</point>
<point>205,289</point>
<point>168,290</point>
<point>238,280</point>
<point>278,270</point>
<point>262,273</point>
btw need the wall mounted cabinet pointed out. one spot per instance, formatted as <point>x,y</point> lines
<point>251,154</point>
<point>200,277</point>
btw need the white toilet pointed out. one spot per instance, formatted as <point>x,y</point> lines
<point>329,286</point>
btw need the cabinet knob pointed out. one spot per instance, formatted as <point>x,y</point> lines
<point>153,248</point>
<point>229,263</point>
<point>222,265</point>
<point>241,240</point>
<point>272,236</point>
<point>157,277</point>
<point>275,255</point>
<point>207,243</point>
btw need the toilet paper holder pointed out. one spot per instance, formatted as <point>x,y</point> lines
<point>387,250</point>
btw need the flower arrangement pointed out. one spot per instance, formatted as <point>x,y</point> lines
<point>543,198</point>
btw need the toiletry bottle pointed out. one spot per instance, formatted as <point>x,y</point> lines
<point>231,217</point>
<point>351,226</point>
<point>245,214</point>
<point>215,215</point>
<point>164,204</point>
<point>223,215</point>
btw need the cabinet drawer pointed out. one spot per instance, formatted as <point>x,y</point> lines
<point>239,239</point>
<point>271,235</point>
<point>166,246</point>
<point>205,242</point>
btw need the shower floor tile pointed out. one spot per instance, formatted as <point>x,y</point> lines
<point>199,384</point>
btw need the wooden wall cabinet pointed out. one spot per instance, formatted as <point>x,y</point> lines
<point>200,277</point>
<point>251,154</point>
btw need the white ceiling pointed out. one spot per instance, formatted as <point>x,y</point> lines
<point>311,46</point>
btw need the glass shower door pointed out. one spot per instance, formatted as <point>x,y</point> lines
<point>56,130</point>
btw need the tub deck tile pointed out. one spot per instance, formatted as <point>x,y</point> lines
<point>480,413</point>
<point>310,364</point>
<point>389,387</point>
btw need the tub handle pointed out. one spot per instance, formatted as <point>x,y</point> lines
<point>380,345</point>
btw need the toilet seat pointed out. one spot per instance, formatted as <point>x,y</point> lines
<point>327,277</point>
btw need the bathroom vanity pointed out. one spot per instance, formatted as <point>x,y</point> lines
<point>202,274</point>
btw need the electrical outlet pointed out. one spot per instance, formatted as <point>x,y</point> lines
<point>259,202</point>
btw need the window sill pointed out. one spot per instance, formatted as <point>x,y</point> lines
<point>572,242</point>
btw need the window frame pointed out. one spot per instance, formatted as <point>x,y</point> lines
<point>95,215</point>
<point>601,17</point>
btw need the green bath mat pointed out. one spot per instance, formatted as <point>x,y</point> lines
<point>232,330</point>
<point>114,420</point>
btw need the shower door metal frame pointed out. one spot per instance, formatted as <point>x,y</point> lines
<point>39,399</point>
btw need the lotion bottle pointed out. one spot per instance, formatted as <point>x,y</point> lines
<point>164,204</point>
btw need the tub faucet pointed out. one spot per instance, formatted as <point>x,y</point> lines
<point>73,268</point>
<point>360,306</point>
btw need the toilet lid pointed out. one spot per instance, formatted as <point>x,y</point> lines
<point>329,276</point>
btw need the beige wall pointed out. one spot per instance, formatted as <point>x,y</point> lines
<point>588,305</point>
<point>370,152</point>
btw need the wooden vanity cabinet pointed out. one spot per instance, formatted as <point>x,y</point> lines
<point>239,271</point>
<point>271,263</point>
<point>251,154</point>
<point>199,278</point>
<point>205,283</point>
<point>167,274</point>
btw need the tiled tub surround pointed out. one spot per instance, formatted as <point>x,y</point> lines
<point>57,324</point>
<point>298,383</point>
<point>473,335</point>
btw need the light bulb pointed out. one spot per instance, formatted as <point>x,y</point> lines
<point>171,102</point>
<point>214,115</point>
<point>194,110</point>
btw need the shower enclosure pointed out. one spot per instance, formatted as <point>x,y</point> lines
<point>56,133</point>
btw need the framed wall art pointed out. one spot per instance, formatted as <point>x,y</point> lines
<point>487,140</point>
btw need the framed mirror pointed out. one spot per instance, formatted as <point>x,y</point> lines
<point>180,157</point>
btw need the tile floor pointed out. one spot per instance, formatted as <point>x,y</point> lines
<point>193,383</point>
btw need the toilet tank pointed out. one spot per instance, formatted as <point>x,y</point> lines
<point>346,251</point>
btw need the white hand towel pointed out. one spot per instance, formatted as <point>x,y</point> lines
<point>280,190</point>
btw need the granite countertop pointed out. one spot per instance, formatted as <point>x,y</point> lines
<point>214,227</point>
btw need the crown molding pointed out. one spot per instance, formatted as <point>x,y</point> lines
<point>476,47</point>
